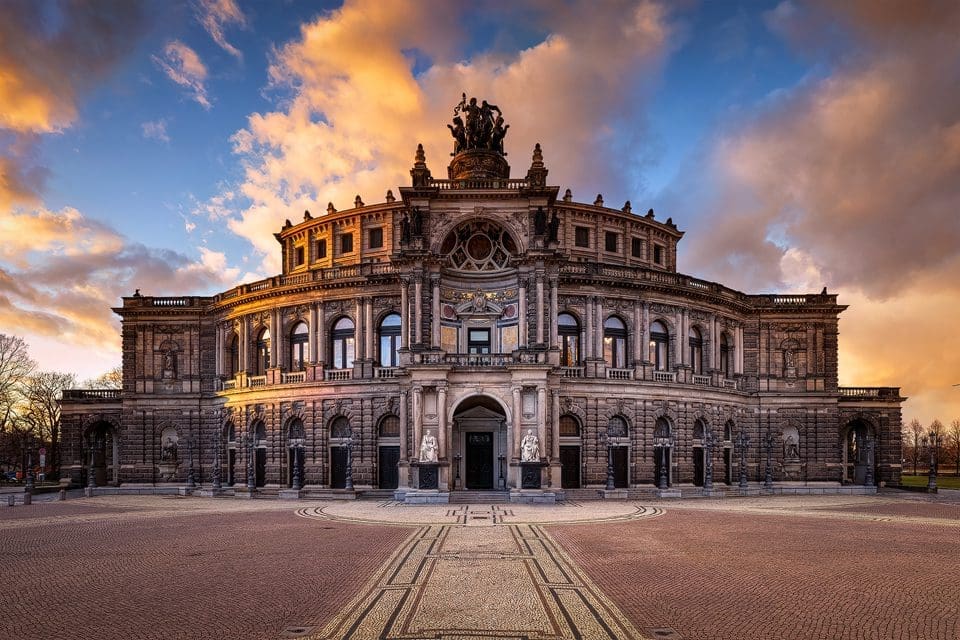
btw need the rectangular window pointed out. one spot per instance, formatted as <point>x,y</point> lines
<point>610,242</point>
<point>581,236</point>
<point>376,238</point>
<point>346,243</point>
<point>298,256</point>
<point>658,254</point>
<point>478,341</point>
<point>636,247</point>
<point>322,248</point>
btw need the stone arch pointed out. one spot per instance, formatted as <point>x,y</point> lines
<point>448,224</point>
<point>470,394</point>
<point>569,405</point>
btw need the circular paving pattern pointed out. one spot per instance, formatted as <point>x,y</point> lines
<point>478,515</point>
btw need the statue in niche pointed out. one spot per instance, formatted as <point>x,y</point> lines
<point>417,223</point>
<point>789,363</point>
<point>405,228</point>
<point>168,448</point>
<point>479,301</point>
<point>530,447</point>
<point>791,448</point>
<point>554,228</point>
<point>539,222</point>
<point>169,370</point>
<point>428,447</point>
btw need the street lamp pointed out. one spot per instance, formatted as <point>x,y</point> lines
<point>91,474</point>
<point>29,474</point>
<point>191,479</point>
<point>251,478</point>
<point>297,471</point>
<point>743,441</point>
<point>768,470</point>
<point>708,442</point>
<point>868,478</point>
<point>608,440</point>
<point>348,481</point>
<point>663,444</point>
<point>933,440</point>
<point>218,445</point>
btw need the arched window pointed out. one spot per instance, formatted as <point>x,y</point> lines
<point>263,352</point>
<point>662,428</point>
<point>234,354</point>
<point>569,426</point>
<point>295,429</point>
<point>659,339</point>
<point>231,432</point>
<point>390,341</point>
<point>343,344</point>
<point>728,431</point>
<point>260,434</point>
<point>699,430</point>
<point>615,343</point>
<point>390,427</point>
<point>617,427</point>
<point>724,355</point>
<point>695,342</point>
<point>568,330</point>
<point>299,338</point>
<point>340,427</point>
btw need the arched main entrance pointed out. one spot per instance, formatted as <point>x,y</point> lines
<point>480,445</point>
<point>101,455</point>
<point>859,452</point>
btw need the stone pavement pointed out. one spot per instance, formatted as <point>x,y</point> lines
<point>779,567</point>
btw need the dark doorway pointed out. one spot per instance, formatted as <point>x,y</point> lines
<point>661,460</point>
<point>338,467</point>
<point>261,467</point>
<point>698,466</point>
<point>570,467</point>
<point>387,468</point>
<point>231,467</point>
<point>728,465</point>
<point>294,459</point>
<point>479,460</point>
<point>621,473</point>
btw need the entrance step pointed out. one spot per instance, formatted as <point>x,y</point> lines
<point>481,497</point>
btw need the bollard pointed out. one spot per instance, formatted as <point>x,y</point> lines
<point>27,498</point>
<point>63,494</point>
<point>11,500</point>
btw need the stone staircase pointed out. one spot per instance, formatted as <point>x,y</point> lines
<point>479,497</point>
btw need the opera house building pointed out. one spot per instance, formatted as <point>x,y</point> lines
<point>479,332</point>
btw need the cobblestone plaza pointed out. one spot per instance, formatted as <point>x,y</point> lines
<point>850,566</point>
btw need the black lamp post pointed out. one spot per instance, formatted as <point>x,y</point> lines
<point>191,479</point>
<point>91,474</point>
<point>708,441</point>
<point>456,460</point>
<point>868,478</point>
<point>663,444</point>
<point>29,474</point>
<point>348,482</point>
<point>933,440</point>
<point>218,446</point>
<point>768,469</point>
<point>297,472</point>
<point>609,442</point>
<point>743,441</point>
<point>251,478</point>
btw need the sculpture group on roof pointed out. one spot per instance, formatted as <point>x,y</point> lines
<point>475,127</point>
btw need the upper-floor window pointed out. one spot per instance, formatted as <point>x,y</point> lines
<point>478,340</point>
<point>340,427</point>
<point>695,344</point>
<point>659,339</point>
<point>389,426</point>
<point>322,248</point>
<point>617,427</point>
<point>724,355</point>
<point>390,341</point>
<point>376,238</point>
<point>299,256</point>
<point>615,343</point>
<point>636,247</point>
<point>234,354</point>
<point>610,242</point>
<point>581,236</point>
<point>346,243</point>
<point>263,352</point>
<point>568,330</point>
<point>478,245</point>
<point>569,426</point>
<point>343,344</point>
<point>299,339</point>
<point>657,254</point>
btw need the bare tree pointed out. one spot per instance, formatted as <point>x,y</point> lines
<point>42,394</point>
<point>913,439</point>
<point>15,367</point>
<point>112,379</point>
<point>953,437</point>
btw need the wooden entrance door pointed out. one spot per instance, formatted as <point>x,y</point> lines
<point>621,472</point>
<point>261,467</point>
<point>698,467</point>
<point>389,478</point>
<point>570,467</point>
<point>479,460</point>
<point>338,467</point>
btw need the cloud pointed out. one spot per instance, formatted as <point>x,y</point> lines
<point>182,65</point>
<point>214,15</point>
<point>850,179</point>
<point>363,85</point>
<point>155,130</point>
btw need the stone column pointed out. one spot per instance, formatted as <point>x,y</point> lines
<point>523,312</point>
<point>542,419</point>
<point>404,314</point>
<point>321,334</point>
<point>219,354</point>
<point>588,337</point>
<point>435,313</point>
<point>417,309</point>
<point>404,448</point>
<point>370,352</point>
<point>645,323</point>
<point>555,424</point>
<point>275,338</point>
<point>679,358</point>
<point>442,434</point>
<point>417,421</point>
<point>714,342</point>
<point>539,308</point>
<point>516,426</point>
<point>314,334</point>
<point>554,311</point>
<point>599,331</point>
<point>639,333</point>
<point>358,331</point>
<point>739,346</point>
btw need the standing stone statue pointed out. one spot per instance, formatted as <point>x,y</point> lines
<point>530,448</point>
<point>428,448</point>
<point>554,227</point>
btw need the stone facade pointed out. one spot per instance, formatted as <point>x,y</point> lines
<point>477,309</point>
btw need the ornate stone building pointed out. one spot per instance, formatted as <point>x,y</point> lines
<point>481,332</point>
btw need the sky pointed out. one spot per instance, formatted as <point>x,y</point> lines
<point>159,145</point>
